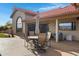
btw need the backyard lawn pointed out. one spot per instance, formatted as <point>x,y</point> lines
<point>4,35</point>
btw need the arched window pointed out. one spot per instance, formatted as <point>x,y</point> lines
<point>19,24</point>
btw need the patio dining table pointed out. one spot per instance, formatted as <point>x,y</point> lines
<point>33,37</point>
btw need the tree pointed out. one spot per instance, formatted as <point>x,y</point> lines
<point>8,24</point>
<point>6,27</point>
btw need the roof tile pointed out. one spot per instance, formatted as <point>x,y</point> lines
<point>26,11</point>
<point>57,12</point>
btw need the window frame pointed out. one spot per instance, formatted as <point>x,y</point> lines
<point>16,24</point>
<point>73,26</point>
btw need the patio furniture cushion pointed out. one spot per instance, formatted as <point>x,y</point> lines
<point>42,38</point>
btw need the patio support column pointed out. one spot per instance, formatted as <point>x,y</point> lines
<point>25,29</point>
<point>25,34</point>
<point>37,25</point>
<point>56,30</point>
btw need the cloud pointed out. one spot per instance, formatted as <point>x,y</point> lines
<point>53,6</point>
<point>60,5</point>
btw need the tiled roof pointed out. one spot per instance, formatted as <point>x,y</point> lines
<point>52,13</point>
<point>26,11</point>
<point>59,11</point>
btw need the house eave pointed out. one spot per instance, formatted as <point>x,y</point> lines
<point>13,13</point>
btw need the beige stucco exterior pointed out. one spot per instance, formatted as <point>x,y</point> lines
<point>14,19</point>
<point>51,24</point>
<point>23,16</point>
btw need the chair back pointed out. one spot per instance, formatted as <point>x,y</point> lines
<point>48,35</point>
<point>42,38</point>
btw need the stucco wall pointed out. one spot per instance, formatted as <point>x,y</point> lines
<point>14,19</point>
<point>52,27</point>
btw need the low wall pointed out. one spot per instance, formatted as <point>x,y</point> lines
<point>75,34</point>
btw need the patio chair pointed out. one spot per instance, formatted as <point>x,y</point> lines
<point>42,39</point>
<point>42,42</point>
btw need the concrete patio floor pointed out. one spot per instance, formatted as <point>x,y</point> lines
<point>13,47</point>
<point>63,48</point>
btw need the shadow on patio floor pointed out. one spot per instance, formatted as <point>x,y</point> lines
<point>50,52</point>
<point>68,47</point>
<point>62,48</point>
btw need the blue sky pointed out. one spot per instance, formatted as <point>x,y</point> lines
<point>6,8</point>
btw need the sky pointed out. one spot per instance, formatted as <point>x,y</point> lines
<point>6,9</point>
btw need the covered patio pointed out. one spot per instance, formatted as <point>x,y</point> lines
<point>53,22</point>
